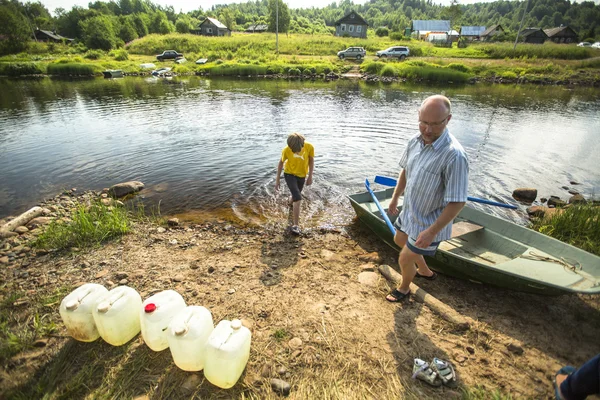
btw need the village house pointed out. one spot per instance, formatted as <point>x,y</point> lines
<point>259,28</point>
<point>533,35</point>
<point>352,25</point>
<point>472,32</point>
<point>491,32</point>
<point>211,27</point>
<point>562,34</point>
<point>50,36</point>
<point>423,29</point>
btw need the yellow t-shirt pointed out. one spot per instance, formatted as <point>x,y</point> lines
<point>297,163</point>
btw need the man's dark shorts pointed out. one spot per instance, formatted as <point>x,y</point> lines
<point>410,242</point>
<point>295,184</point>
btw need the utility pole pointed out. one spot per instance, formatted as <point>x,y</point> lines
<point>277,26</point>
<point>521,27</point>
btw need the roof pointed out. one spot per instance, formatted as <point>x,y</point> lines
<point>472,30</point>
<point>348,18</point>
<point>53,35</point>
<point>492,29</point>
<point>257,28</point>
<point>554,31</point>
<point>431,25</point>
<point>215,22</point>
<point>530,31</point>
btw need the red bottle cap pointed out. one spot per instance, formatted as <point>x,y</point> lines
<point>150,307</point>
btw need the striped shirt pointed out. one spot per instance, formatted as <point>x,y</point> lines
<point>436,174</point>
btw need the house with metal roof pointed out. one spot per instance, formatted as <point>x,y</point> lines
<point>492,31</point>
<point>472,32</point>
<point>421,29</point>
<point>211,27</point>
<point>352,25</point>
<point>259,28</point>
<point>562,34</point>
<point>49,36</point>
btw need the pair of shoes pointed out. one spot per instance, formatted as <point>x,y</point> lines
<point>438,373</point>
<point>422,371</point>
<point>429,278</point>
<point>295,229</point>
<point>566,370</point>
<point>397,296</point>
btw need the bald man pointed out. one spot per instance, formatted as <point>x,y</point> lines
<point>434,181</point>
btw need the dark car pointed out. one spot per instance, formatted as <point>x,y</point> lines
<point>168,55</point>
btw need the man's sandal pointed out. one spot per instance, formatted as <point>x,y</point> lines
<point>397,296</point>
<point>567,370</point>
<point>422,371</point>
<point>444,370</point>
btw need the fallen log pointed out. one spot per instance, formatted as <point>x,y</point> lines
<point>6,230</point>
<point>444,310</point>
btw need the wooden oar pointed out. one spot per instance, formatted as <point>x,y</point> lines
<point>384,180</point>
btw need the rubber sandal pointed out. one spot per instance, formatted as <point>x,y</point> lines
<point>397,296</point>
<point>295,230</point>
<point>429,278</point>
<point>566,370</point>
<point>422,371</point>
<point>444,370</point>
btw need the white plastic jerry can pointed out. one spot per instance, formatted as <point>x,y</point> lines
<point>156,313</point>
<point>227,352</point>
<point>117,315</point>
<point>76,311</point>
<point>187,335</point>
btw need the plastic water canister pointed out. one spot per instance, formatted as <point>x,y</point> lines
<point>117,315</point>
<point>76,311</point>
<point>156,314</point>
<point>227,352</point>
<point>187,335</point>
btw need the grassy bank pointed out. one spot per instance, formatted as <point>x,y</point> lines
<point>251,55</point>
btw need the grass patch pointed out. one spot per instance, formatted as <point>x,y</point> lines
<point>578,225</point>
<point>431,73</point>
<point>70,68</point>
<point>280,334</point>
<point>20,68</point>
<point>88,226</point>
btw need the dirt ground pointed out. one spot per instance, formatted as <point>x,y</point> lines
<point>314,325</point>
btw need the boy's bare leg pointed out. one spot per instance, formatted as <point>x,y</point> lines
<point>296,212</point>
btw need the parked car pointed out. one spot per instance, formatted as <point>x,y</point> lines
<point>168,55</point>
<point>584,44</point>
<point>352,52</point>
<point>399,52</point>
<point>596,45</point>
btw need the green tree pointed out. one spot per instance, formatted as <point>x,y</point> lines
<point>279,7</point>
<point>141,21</point>
<point>453,13</point>
<point>15,28</point>
<point>99,33</point>
<point>183,24</point>
<point>160,24</point>
<point>127,32</point>
<point>227,18</point>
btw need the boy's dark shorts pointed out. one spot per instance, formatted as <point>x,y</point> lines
<point>410,242</point>
<point>295,184</point>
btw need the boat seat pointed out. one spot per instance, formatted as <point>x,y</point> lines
<point>463,227</point>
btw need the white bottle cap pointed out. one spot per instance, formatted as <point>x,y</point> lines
<point>236,324</point>
<point>103,307</point>
<point>72,305</point>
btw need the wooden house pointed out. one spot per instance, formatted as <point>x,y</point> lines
<point>491,32</point>
<point>533,35</point>
<point>562,34</point>
<point>352,25</point>
<point>211,27</point>
<point>259,28</point>
<point>472,32</point>
<point>49,36</point>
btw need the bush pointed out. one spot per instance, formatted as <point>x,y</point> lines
<point>121,55</point>
<point>374,67</point>
<point>18,69</point>
<point>383,31</point>
<point>93,54</point>
<point>389,70</point>
<point>508,75</point>
<point>459,67</point>
<point>294,72</point>
<point>396,36</point>
<point>431,73</point>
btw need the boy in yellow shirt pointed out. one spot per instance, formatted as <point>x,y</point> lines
<point>299,160</point>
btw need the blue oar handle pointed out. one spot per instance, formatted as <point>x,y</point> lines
<point>381,210</point>
<point>384,180</point>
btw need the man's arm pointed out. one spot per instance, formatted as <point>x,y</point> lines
<point>311,168</point>
<point>398,191</point>
<point>279,169</point>
<point>450,212</point>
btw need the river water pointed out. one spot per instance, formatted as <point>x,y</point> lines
<point>212,145</point>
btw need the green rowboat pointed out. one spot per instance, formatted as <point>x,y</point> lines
<point>488,249</point>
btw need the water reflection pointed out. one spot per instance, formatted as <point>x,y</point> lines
<point>215,143</point>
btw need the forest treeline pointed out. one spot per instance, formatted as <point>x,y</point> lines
<point>111,24</point>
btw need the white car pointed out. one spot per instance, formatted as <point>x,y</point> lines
<point>399,52</point>
<point>596,45</point>
<point>584,44</point>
